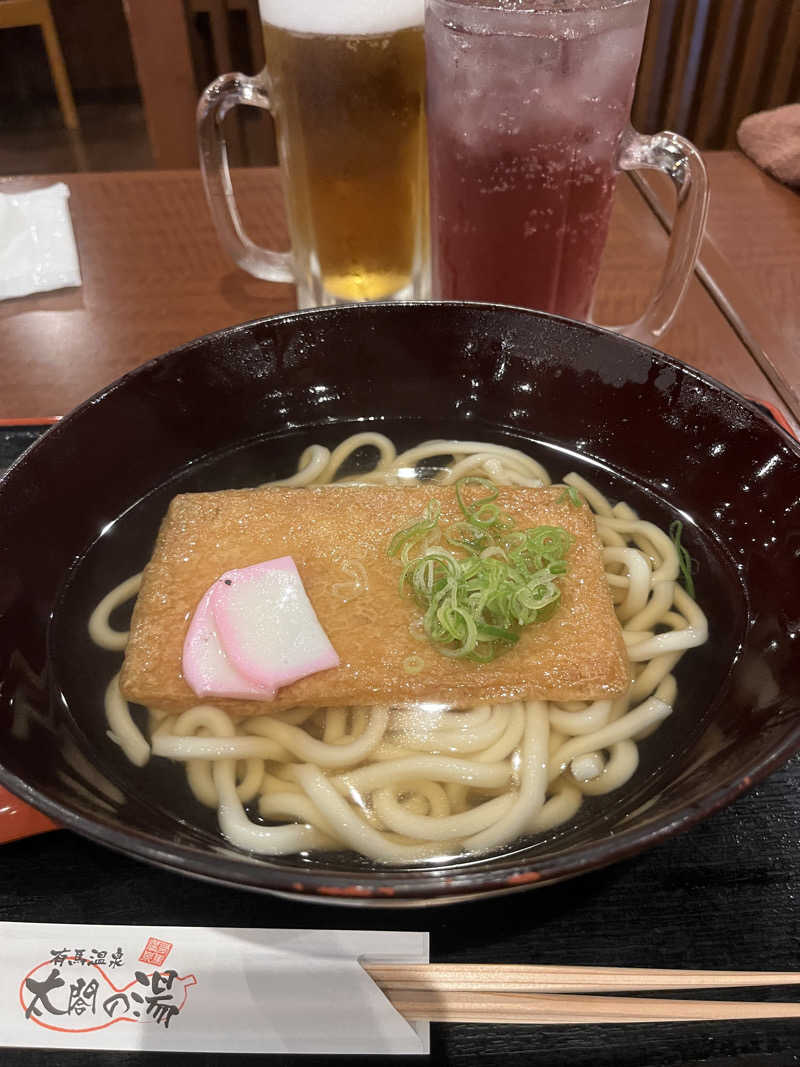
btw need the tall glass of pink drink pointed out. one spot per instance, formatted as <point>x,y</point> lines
<point>528,126</point>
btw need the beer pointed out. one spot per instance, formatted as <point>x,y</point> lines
<point>346,83</point>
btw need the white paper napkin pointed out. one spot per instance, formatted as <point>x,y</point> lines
<point>37,245</point>
<point>194,989</point>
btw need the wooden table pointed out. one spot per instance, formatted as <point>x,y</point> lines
<point>750,261</point>
<point>154,276</point>
<point>720,896</point>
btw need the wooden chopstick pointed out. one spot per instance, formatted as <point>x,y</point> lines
<point>543,978</point>
<point>545,995</point>
<point>571,1009</point>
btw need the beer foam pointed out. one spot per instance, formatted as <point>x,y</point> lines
<point>347,18</point>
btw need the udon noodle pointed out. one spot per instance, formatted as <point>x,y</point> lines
<point>403,785</point>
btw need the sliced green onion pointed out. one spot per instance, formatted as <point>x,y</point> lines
<point>685,561</point>
<point>487,581</point>
<point>482,512</point>
<point>416,530</point>
<point>570,494</point>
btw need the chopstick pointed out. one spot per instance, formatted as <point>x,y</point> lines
<point>543,978</point>
<point>569,1009</point>
<point>545,995</point>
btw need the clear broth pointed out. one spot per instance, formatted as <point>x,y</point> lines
<point>81,671</point>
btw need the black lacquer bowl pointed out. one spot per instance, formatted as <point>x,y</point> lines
<point>80,509</point>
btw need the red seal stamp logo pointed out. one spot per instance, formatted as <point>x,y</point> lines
<point>155,951</point>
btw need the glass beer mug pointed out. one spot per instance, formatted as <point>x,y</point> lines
<point>345,84</point>
<point>529,124</point>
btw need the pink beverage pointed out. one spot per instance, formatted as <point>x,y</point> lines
<point>528,101</point>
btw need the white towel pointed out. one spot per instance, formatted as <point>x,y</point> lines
<point>37,245</point>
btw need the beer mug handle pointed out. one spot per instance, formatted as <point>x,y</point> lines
<point>679,159</point>
<point>217,100</point>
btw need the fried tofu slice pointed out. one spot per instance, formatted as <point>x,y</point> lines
<point>338,537</point>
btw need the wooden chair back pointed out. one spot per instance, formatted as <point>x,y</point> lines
<point>225,35</point>
<point>706,64</point>
<point>180,46</point>
<point>15,13</point>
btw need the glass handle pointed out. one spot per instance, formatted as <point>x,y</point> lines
<point>217,100</point>
<point>678,158</point>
